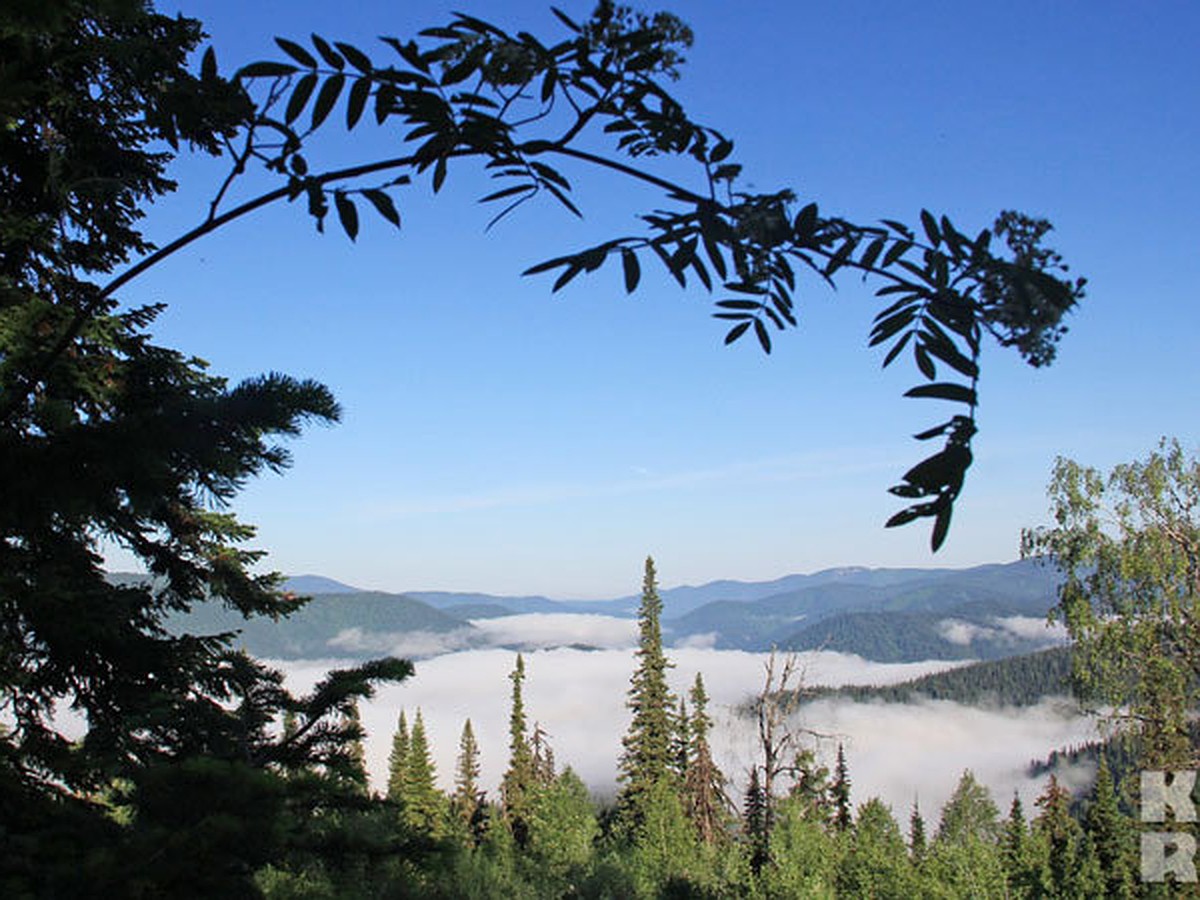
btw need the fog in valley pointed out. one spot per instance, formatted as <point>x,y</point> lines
<point>900,752</point>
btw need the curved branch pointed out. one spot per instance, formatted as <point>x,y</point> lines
<point>90,308</point>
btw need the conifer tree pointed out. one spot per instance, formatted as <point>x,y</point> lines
<point>468,799</point>
<point>1110,836</point>
<point>423,807</point>
<point>398,760</point>
<point>646,758</point>
<point>680,741</point>
<point>542,755</point>
<point>916,835</point>
<point>519,778</point>
<point>1018,852</point>
<point>1063,838</point>
<point>840,791</point>
<point>970,814</point>
<point>754,815</point>
<point>562,832</point>
<point>706,802</point>
<point>877,863</point>
<point>811,786</point>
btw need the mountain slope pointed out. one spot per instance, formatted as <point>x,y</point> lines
<point>353,626</point>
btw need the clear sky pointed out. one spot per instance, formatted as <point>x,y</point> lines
<point>501,439</point>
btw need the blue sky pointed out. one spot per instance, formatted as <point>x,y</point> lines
<point>500,438</point>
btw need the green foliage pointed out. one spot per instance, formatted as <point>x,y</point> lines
<point>520,778</point>
<point>755,822</point>
<point>562,832</point>
<point>804,854</point>
<point>840,791</point>
<point>646,758</point>
<point>1014,681</point>
<point>467,805</point>
<point>398,760</point>
<point>969,815</point>
<point>704,796</point>
<point>1111,837</point>
<point>667,855</point>
<point>423,806</point>
<point>917,841</point>
<point>1125,545</point>
<point>356,774</point>
<point>104,435</point>
<point>965,858</point>
<point>876,863</point>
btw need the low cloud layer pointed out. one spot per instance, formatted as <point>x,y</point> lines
<point>1008,629</point>
<point>544,630</point>
<point>899,752</point>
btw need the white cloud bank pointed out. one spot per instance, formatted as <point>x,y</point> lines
<point>1007,629</point>
<point>544,630</point>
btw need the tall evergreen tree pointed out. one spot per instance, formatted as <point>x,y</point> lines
<point>1070,868</point>
<point>877,863</point>
<point>423,803</point>
<point>1111,836</point>
<point>754,822</point>
<point>1019,853</point>
<point>916,835</point>
<point>681,740</point>
<point>519,778</point>
<point>398,760</point>
<point>970,814</point>
<point>468,799</point>
<point>812,787</point>
<point>646,758</point>
<point>705,800</point>
<point>840,791</point>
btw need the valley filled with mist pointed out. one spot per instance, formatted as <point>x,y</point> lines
<point>848,626</point>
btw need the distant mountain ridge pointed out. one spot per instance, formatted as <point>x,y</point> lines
<point>892,615</point>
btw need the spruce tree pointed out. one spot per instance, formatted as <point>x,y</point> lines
<point>706,802</point>
<point>519,778</point>
<point>916,835</point>
<point>680,740</point>
<point>542,756</point>
<point>1019,853</point>
<point>812,787</point>
<point>421,798</point>
<point>754,822</point>
<point>842,817</point>
<point>877,863</point>
<point>969,815</point>
<point>1063,838</point>
<point>398,760</point>
<point>1111,836</point>
<point>468,799</point>
<point>646,758</point>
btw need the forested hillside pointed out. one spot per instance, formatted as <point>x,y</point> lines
<point>1013,681</point>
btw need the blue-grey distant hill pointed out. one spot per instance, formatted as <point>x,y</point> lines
<point>360,625</point>
<point>884,614</point>
<point>307,585</point>
<point>893,615</point>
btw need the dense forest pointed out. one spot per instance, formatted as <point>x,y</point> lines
<point>1013,681</point>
